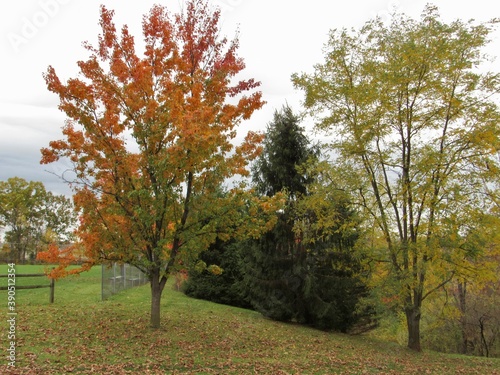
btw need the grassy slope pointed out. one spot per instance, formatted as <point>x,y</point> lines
<point>80,334</point>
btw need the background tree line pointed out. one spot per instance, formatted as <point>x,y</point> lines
<point>32,218</point>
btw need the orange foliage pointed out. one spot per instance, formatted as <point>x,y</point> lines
<point>63,257</point>
<point>150,136</point>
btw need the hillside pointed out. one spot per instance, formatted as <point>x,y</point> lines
<point>79,334</point>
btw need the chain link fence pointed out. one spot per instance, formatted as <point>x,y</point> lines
<point>118,277</point>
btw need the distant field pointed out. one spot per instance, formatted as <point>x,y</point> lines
<point>80,334</point>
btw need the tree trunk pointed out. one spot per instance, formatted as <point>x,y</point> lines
<point>484,343</point>
<point>462,305</point>
<point>413,323</point>
<point>157,286</point>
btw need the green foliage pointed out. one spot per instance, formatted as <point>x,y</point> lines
<point>33,217</point>
<point>290,276</point>
<point>285,148</point>
<point>335,284</point>
<point>225,287</point>
<point>274,269</point>
<point>273,264</point>
<point>318,284</point>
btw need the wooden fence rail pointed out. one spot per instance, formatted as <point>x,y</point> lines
<point>51,285</point>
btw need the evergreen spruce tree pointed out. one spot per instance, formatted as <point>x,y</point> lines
<point>334,281</point>
<point>287,278</point>
<point>274,264</point>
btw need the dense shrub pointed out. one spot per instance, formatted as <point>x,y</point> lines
<point>225,287</point>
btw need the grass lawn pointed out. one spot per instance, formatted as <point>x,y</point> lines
<point>80,334</point>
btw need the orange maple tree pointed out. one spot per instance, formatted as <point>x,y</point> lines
<point>151,141</point>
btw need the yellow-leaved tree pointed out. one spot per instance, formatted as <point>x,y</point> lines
<point>415,130</point>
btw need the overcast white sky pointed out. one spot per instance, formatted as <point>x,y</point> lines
<point>277,38</point>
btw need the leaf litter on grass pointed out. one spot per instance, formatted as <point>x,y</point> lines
<point>198,337</point>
